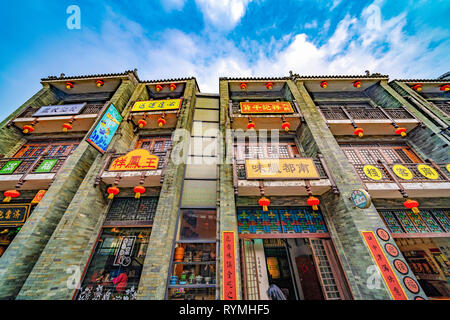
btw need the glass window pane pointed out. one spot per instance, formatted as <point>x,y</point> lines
<point>198,225</point>
<point>199,193</point>
<point>115,269</point>
<point>206,115</point>
<point>210,103</point>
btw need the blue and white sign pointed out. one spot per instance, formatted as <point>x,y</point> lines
<point>60,110</point>
<point>361,198</point>
<point>104,131</point>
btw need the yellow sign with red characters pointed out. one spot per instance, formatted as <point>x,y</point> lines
<point>297,168</point>
<point>139,159</point>
<point>266,107</point>
<point>156,105</point>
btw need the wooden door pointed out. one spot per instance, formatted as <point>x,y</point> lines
<point>308,278</point>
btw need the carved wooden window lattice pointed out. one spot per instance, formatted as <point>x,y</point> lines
<point>131,209</point>
<point>371,153</point>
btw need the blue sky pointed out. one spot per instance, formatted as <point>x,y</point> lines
<point>212,38</point>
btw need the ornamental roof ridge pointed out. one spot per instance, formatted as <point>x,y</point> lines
<point>253,78</point>
<point>100,75</point>
<point>171,80</point>
<point>365,76</point>
<point>422,80</point>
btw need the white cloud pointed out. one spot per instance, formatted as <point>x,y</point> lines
<point>311,25</point>
<point>223,14</point>
<point>170,5</point>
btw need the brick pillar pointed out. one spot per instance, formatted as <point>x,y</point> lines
<point>152,285</point>
<point>72,241</point>
<point>227,209</point>
<point>24,251</point>
<point>345,222</point>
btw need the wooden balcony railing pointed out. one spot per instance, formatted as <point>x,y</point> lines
<point>388,175</point>
<point>360,113</point>
<point>30,165</point>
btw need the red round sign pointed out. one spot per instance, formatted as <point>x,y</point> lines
<point>391,249</point>
<point>411,284</point>
<point>383,234</point>
<point>401,266</point>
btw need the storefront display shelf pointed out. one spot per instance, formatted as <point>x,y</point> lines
<point>192,286</point>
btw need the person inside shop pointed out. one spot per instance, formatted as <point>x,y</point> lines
<point>120,282</point>
<point>275,293</point>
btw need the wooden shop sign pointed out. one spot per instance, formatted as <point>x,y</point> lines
<point>138,159</point>
<point>156,105</point>
<point>295,168</point>
<point>229,266</point>
<point>14,214</point>
<point>266,107</point>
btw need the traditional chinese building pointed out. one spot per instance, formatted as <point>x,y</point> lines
<point>329,187</point>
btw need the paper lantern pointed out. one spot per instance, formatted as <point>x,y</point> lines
<point>269,85</point>
<point>172,86</point>
<point>313,202</point>
<point>9,194</point>
<point>401,131</point>
<point>359,132</point>
<point>28,129</point>
<point>286,126</point>
<point>357,84</point>
<point>138,191</point>
<point>412,204</point>
<point>264,203</point>
<point>159,87</point>
<point>112,191</point>
<point>69,85</point>
<point>324,84</point>
<point>161,122</point>
<point>243,86</point>
<point>251,126</point>
<point>99,83</point>
<point>445,87</point>
<point>142,123</point>
<point>67,126</point>
<point>417,87</point>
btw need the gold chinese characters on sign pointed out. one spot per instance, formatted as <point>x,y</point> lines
<point>266,107</point>
<point>14,214</point>
<point>139,159</point>
<point>156,105</point>
<point>402,172</point>
<point>298,168</point>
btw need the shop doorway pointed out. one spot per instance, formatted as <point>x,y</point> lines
<point>429,264</point>
<point>302,268</point>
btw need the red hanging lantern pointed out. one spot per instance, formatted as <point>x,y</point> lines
<point>401,131</point>
<point>359,132</point>
<point>142,123</point>
<point>417,87</point>
<point>28,129</point>
<point>173,86</point>
<point>159,87</point>
<point>99,83</point>
<point>286,126</point>
<point>264,202</point>
<point>112,191</point>
<point>251,126</point>
<point>445,87</point>
<point>66,126</point>
<point>243,86</point>
<point>9,194</point>
<point>69,85</point>
<point>269,85</point>
<point>412,204</point>
<point>324,84</point>
<point>161,122</point>
<point>357,84</point>
<point>313,202</point>
<point>138,191</point>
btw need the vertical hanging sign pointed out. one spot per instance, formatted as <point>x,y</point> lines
<point>229,266</point>
<point>389,277</point>
<point>101,136</point>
